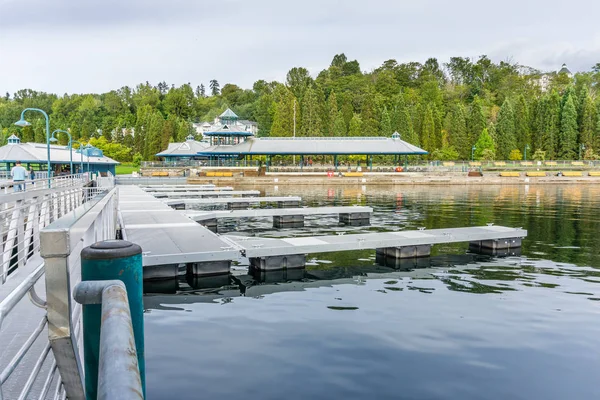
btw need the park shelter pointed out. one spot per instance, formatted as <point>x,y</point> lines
<point>315,146</point>
<point>35,155</point>
<point>187,150</point>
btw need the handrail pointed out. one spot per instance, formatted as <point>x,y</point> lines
<point>24,218</point>
<point>118,370</point>
<point>45,183</point>
<point>61,244</point>
<point>24,214</point>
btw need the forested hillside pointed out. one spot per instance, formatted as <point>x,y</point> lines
<point>443,108</point>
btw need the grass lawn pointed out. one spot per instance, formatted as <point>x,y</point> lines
<point>125,168</point>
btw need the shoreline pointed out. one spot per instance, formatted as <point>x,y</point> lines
<point>399,179</point>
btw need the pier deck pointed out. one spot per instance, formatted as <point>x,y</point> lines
<point>253,247</point>
<point>169,238</point>
<point>212,194</point>
<point>252,200</point>
<point>188,188</point>
<point>166,235</point>
<point>273,212</point>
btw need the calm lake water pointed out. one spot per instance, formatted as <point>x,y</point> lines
<point>454,326</point>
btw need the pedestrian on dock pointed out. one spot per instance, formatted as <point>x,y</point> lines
<point>18,174</point>
<point>32,175</point>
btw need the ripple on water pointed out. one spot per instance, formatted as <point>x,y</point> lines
<point>457,325</point>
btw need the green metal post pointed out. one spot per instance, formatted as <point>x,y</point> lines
<point>335,163</point>
<point>107,260</point>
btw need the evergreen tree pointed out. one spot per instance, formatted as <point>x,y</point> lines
<point>551,126</point>
<point>457,132</point>
<point>332,113</point>
<point>370,123</point>
<point>347,110</point>
<point>39,133</point>
<point>522,123</point>
<point>588,122</point>
<point>339,127</point>
<point>355,126</point>
<point>311,114</point>
<point>538,124</point>
<point>263,113</point>
<point>214,87</point>
<point>416,116</point>
<point>141,128</point>
<point>405,128</point>
<point>398,104</point>
<point>438,125</point>
<point>484,142</point>
<point>568,130</point>
<point>283,112</point>
<point>505,131</point>
<point>385,125</point>
<point>169,133</point>
<point>476,122</point>
<point>428,130</point>
<point>153,143</point>
<point>202,90</point>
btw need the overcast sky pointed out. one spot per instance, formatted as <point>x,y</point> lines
<point>79,46</point>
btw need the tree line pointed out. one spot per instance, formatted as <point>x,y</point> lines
<point>455,110</point>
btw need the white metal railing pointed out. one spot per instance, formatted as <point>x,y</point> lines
<point>24,214</point>
<point>62,221</point>
<point>61,245</point>
<point>7,186</point>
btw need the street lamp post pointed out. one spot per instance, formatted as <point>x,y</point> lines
<point>525,152</point>
<point>581,147</point>
<point>81,154</point>
<point>473,153</point>
<point>23,123</point>
<point>88,147</point>
<point>53,139</point>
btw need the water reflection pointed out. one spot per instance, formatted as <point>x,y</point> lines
<point>454,325</point>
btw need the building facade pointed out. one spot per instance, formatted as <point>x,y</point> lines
<point>231,120</point>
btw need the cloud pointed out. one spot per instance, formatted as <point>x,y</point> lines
<point>82,46</point>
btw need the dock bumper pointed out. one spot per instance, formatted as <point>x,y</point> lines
<point>274,263</point>
<point>288,221</point>
<point>355,219</point>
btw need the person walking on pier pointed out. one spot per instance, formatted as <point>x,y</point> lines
<point>32,176</point>
<point>18,174</point>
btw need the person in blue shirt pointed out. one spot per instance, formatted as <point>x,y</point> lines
<point>18,173</point>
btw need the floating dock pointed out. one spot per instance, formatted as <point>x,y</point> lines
<point>187,188</point>
<point>237,203</point>
<point>285,217</point>
<point>208,194</point>
<point>170,239</point>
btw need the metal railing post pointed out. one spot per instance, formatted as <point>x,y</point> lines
<point>111,260</point>
<point>118,369</point>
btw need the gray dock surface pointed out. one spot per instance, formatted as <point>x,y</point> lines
<point>264,247</point>
<point>252,200</point>
<point>213,193</point>
<point>188,188</point>
<point>272,212</point>
<point>166,235</point>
